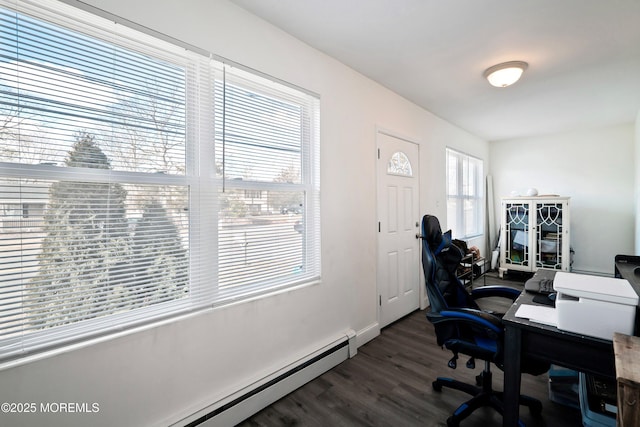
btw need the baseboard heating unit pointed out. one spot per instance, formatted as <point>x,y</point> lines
<point>252,399</point>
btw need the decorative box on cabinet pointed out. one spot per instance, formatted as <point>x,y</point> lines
<point>535,234</point>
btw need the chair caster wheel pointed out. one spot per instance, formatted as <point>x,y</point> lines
<point>436,386</point>
<point>452,422</point>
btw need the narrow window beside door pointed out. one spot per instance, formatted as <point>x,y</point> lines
<point>465,195</point>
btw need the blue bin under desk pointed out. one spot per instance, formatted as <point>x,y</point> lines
<point>597,401</point>
<point>564,386</point>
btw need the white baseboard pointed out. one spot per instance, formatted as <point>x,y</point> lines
<point>368,333</point>
<point>251,400</point>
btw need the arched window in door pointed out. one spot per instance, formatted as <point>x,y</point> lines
<point>399,164</point>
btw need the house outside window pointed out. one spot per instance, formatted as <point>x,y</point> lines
<point>465,195</point>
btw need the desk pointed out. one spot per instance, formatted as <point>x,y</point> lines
<point>627,350</point>
<point>625,266</point>
<point>547,343</point>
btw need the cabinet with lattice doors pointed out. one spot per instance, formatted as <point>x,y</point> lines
<point>534,234</point>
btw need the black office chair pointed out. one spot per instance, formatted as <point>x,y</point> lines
<point>462,327</point>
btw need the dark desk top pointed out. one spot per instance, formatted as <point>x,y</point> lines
<point>625,266</point>
<point>575,351</point>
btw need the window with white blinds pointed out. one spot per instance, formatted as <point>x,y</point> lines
<point>119,203</point>
<point>465,194</point>
<point>267,158</point>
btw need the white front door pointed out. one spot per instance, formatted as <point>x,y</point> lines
<point>399,222</point>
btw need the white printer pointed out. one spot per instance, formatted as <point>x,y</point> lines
<point>594,305</point>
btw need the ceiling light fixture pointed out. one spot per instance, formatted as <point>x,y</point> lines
<point>505,74</point>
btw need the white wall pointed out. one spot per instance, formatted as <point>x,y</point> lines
<point>596,168</point>
<point>636,193</point>
<point>158,375</point>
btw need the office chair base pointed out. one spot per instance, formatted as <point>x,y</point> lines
<point>482,396</point>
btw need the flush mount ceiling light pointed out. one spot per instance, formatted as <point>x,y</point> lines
<point>505,74</point>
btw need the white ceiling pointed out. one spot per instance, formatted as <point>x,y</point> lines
<point>583,55</point>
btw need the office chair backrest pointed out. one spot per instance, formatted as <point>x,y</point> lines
<point>440,260</point>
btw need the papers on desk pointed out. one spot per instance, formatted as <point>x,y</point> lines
<point>539,314</point>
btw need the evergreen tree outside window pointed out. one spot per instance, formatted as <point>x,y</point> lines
<point>161,275</point>
<point>85,246</point>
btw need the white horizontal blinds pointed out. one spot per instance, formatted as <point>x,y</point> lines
<point>202,180</point>
<point>261,124</point>
<point>455,202</point>
<point>268,220</point>
<point>79,250</point>
<point>452,172</point>
<point>67,82</point>
<point>472,194</point>
<point>311,178</point>
<point>94,188</point>
<point>464,194</point>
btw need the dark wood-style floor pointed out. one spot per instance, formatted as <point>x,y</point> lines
<point>388,383</point>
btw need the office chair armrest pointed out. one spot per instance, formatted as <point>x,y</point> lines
<point>495,291</point>
<point>468,315</point>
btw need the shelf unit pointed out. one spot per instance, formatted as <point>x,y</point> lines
<point>535,234</point>
<point>466,270</point>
